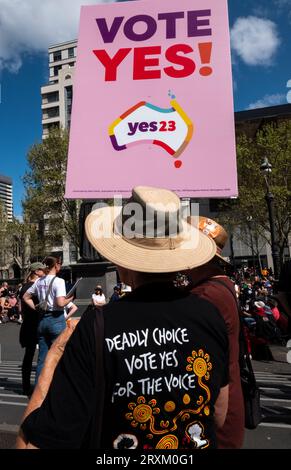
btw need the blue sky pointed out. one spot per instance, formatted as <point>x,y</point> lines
<point>260,33</point>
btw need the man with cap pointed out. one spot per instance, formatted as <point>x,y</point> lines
<point>165,351</point>
<point>28,330</point>
<point>211,283</point>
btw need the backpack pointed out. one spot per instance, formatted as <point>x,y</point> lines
<point>250,389</point>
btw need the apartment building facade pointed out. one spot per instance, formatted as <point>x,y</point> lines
<point>57,96</point>
<point>6,195</point>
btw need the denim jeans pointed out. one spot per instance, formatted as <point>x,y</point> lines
<point>49,328</point>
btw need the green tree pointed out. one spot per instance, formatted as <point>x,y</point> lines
<point>4,242</point>
<point>274,142</point>
<point>44,182</point>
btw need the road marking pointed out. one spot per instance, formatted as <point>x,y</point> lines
<point>270,388</point>
<point>16,386</point>
<point>12,403</point>
<point>13,395</point>
<point>279,382</point>
<point>275,399</point>
<point>10,374</point>
<point>275,425</point>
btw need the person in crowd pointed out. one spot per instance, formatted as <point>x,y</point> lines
<point>13,306</point>
<point>28,330</point>
<point>223,296</point>
<point>98,298</point>
<point>257,285</point>
<point>166,350</point>
<point>116,294</point>
<point>52,321</point>
<point>265,272</point>
<point>247,293</point>
<point>280,318</point>
<point>4,291</point>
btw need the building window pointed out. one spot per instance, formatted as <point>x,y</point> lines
<point>56,70</point>
<point>52,112</point>
<point>68,104</point>
<point>57,56</point>
<point>50,97</point>
<point>69,92</point>
<point>71,52</point>
<point>53,97</point>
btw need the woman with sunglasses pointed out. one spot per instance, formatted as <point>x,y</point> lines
<point>98,298</point>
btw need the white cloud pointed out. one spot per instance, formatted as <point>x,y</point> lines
<point>31,26</point>
<point>255,40</point>
<point>268,100</point>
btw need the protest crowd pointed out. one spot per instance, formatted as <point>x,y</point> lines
<point>161,356</point>
<point>211,299</point>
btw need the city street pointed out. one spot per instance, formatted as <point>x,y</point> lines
<point>274,379</point>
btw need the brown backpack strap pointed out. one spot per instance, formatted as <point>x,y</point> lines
<point>222,283</point>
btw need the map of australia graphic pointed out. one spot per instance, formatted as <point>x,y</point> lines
<point>169,128</point>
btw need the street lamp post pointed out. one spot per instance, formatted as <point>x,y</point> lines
<point>250,222</point>
<point>266,169</point>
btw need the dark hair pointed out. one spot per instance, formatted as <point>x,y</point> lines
<point>50,262</point>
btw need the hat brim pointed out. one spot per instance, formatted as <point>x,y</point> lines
<point>190,254</point>
<point>259,305</point>
<point>222,259</point>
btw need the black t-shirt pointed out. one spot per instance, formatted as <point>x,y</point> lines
<point>166,358</point>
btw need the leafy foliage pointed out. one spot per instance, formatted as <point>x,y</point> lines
<point>274,142</point>
<point>45,190</point>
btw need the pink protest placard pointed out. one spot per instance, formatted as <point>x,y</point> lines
<point>153,101</point>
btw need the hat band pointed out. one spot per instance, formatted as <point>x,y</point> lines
<point>156,243</point>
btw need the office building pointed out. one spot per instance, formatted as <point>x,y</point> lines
<point>56,107</point>
<point>58,93</point>
<point>6,195</point>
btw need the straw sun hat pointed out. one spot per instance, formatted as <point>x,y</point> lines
<point>161,241</point>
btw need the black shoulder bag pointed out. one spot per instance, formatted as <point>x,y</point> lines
<point>251,391</point>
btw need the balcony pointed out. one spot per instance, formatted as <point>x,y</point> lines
<point>51,114</point>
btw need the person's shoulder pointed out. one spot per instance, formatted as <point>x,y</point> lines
<point>88,318</point>
<point>223,297</point>
<point>215,284</point>
<point>25,287</point>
